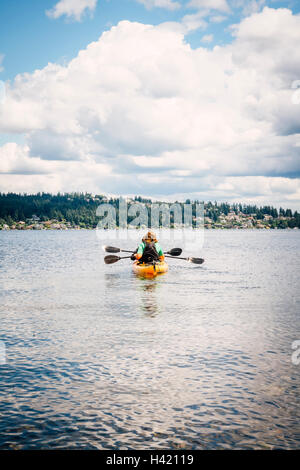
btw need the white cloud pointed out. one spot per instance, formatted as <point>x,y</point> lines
<point>19,171</point>
<point>73,9</point>
<point>253,6</point>
<point>220,5</point>
<point>167,4</point>
<point>1,60</point>
<point>217,18</point>
<point>139,111</point>
<point>259,190</point>
<point>193,22</point>
<point>2,84</point>
<point>207,38</point>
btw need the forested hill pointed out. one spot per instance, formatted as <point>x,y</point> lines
<point>78,210</point>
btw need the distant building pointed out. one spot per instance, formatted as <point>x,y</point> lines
<point>34,219</point>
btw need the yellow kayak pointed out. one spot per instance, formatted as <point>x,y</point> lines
<point>150,269</point>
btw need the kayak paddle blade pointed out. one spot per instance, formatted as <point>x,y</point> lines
<point>175,252</point>
<point>110,259</point>
<point>196,260</point>
<point>111,249</point>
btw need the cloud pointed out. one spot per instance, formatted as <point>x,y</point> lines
<point>220,5</point>
<point>194,21</point>
<point>19,171</point>
<point>167,4</point>
<point>207,38</point>
<point>253,6</point>
<point>2,84</point>
<point>139,111</point>
<point>260,190</point>
<point>73,9</point>
<point>217,18</point>
<point>1,60</point>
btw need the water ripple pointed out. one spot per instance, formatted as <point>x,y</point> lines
<point>197,359</point>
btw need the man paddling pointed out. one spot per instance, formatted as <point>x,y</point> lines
<point>149,250</point>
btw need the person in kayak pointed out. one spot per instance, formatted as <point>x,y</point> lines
<point>149,250</point>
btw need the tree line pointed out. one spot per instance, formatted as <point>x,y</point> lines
<point>80,209</point>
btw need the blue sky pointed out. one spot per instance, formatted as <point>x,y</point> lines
<point>193,98</point>
<point>29,39</point>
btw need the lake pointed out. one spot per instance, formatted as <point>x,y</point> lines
<point>198,358</point>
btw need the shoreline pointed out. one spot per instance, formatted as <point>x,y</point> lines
<point>25,229</point>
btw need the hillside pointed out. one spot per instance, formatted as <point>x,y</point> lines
<point>78,210</point>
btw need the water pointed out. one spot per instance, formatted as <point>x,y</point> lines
<point>199,358</point>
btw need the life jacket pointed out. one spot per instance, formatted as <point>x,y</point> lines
<point>149,254</point>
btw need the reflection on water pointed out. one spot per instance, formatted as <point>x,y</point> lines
<point>200,357</point>
<point>146,291</point>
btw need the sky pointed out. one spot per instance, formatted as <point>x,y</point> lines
<point>171,99</point>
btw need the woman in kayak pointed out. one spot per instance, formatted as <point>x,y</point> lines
<point>149,250</point>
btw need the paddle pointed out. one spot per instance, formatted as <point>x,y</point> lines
<point>174,252</point>
<point>190,259</point>
<point>110,259</point>
<point>113,249</point>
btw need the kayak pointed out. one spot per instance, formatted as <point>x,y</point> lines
<point>150,269</point>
